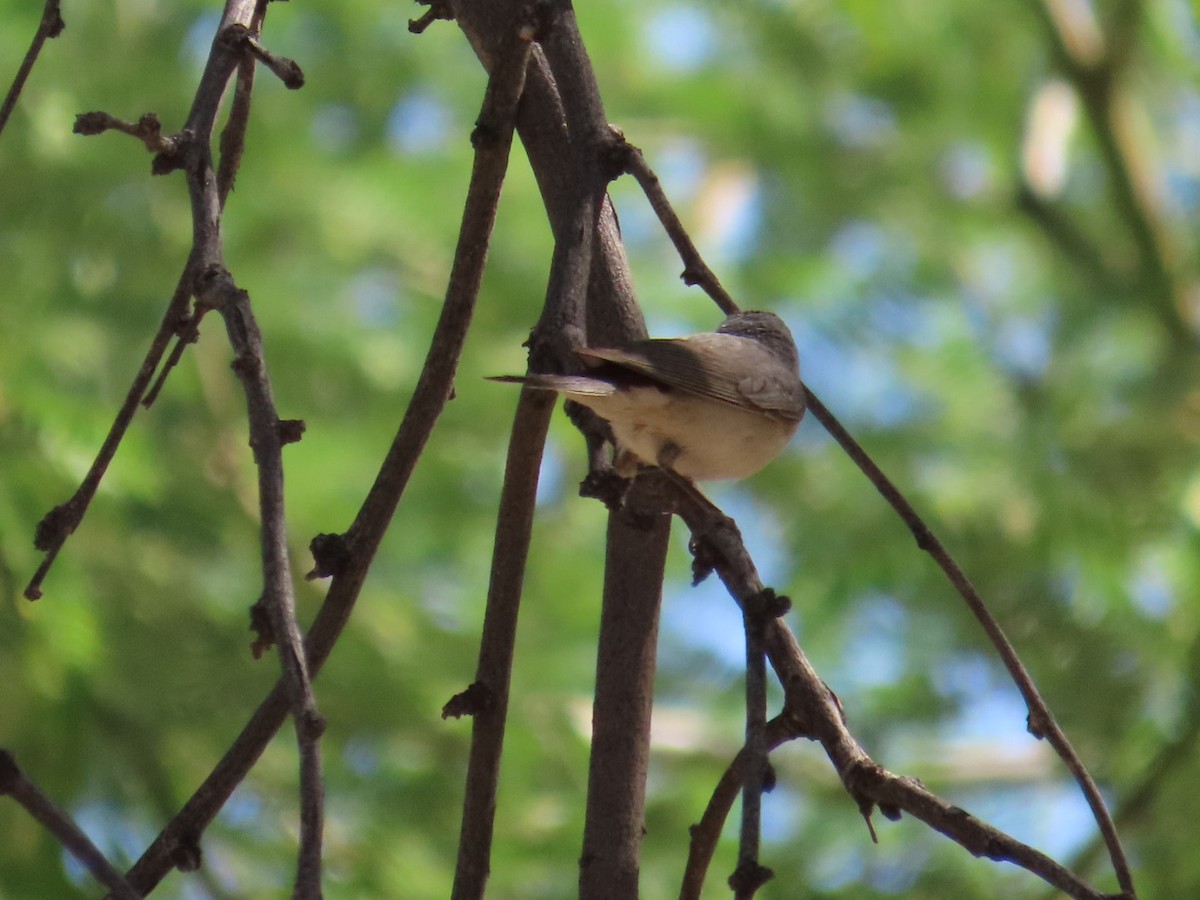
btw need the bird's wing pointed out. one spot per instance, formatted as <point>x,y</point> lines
<point>770,387</point>
<point>579,385</point>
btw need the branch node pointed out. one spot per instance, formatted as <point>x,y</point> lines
<point>770,778</point>
<point>172,152</point>
<point>614,153</point>
<point>246,366</point>
<point>148,129</point>
<point>186,855</point>
<point>1036,724</point>
<point>238,36</point>
<point>90,123</point>
<point>260,624</point>
<point>214,287</point>
<point>55,527</point>
<point>748,877</point>
<point>484,136</point>
<point>331,554</point>
<point>478,698</point>
<point>706,546</point>
<point>312,725</point>
<point>290,430</point>
<point>438,9</point>
<point>705,558</point>
<point>767,605</point>
<point>606,486</point>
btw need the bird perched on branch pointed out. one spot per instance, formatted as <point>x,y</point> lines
<point>710,406</point>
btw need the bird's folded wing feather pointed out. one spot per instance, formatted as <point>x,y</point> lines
<point>674,361</point>
<point>566,384</point>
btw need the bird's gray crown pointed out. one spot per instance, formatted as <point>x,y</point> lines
<point>767,329</point>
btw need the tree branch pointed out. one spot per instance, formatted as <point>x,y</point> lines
<point>1041,723</point>
<point>58,524</point>
<point>707,832</point>
<point>611,316</point>
<point>487,698</point>
<point>50,26</point>
<point>718,546</point>
<point>695,269</point>
<point>15,784</point>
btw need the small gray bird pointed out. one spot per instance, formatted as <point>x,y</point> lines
<point>711,406</point>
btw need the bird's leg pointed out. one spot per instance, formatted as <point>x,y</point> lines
<point>667,454</point>
<point>715,536</point>
<point>606,480</point>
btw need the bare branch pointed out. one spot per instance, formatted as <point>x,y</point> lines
<point>695,269</point>
<point>286,70</point>
<point>487,698</point>
<point>438,9</point>
<point>348,557</point>
<point>1041,721</point>
<point>50,26</point>
<point>706,832</point>
<point>636,546</point>
<point>635,558</point>
<point>750,875</point>
<point>15,784</point>
<point>216,289</point>
<point>58,524</point>
<point>233,136</point>
<point>147,129</point>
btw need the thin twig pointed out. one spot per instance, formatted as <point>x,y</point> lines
<point>205,277</point>
<point>750,875</point>
<point>487,698</point>
<point>695,269</point>
<point>15,784</point>
<point>232,145</point>
<point>707,832</point>
<point>1041,721</point>
<point>216,289</point>
<point>233,135</point>
<point>1138,798</point>
<point>518,498</point>
<point>736,569</point>
<point>286,70</point>
<point>635,548</point>
<point>58,524</point>
<point>347,558</point>
<point>186,332</point>
<point>50,26</point>
<point>147,129</point>
<point>817,714</point>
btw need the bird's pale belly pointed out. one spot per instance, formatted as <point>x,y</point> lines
<point>701,439</point>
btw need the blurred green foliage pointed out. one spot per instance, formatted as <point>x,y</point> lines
<point>855,166</point>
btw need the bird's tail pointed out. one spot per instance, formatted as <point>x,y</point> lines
<point>564,384</point>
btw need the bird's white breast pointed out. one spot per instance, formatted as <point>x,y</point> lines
<point>703,439</point>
